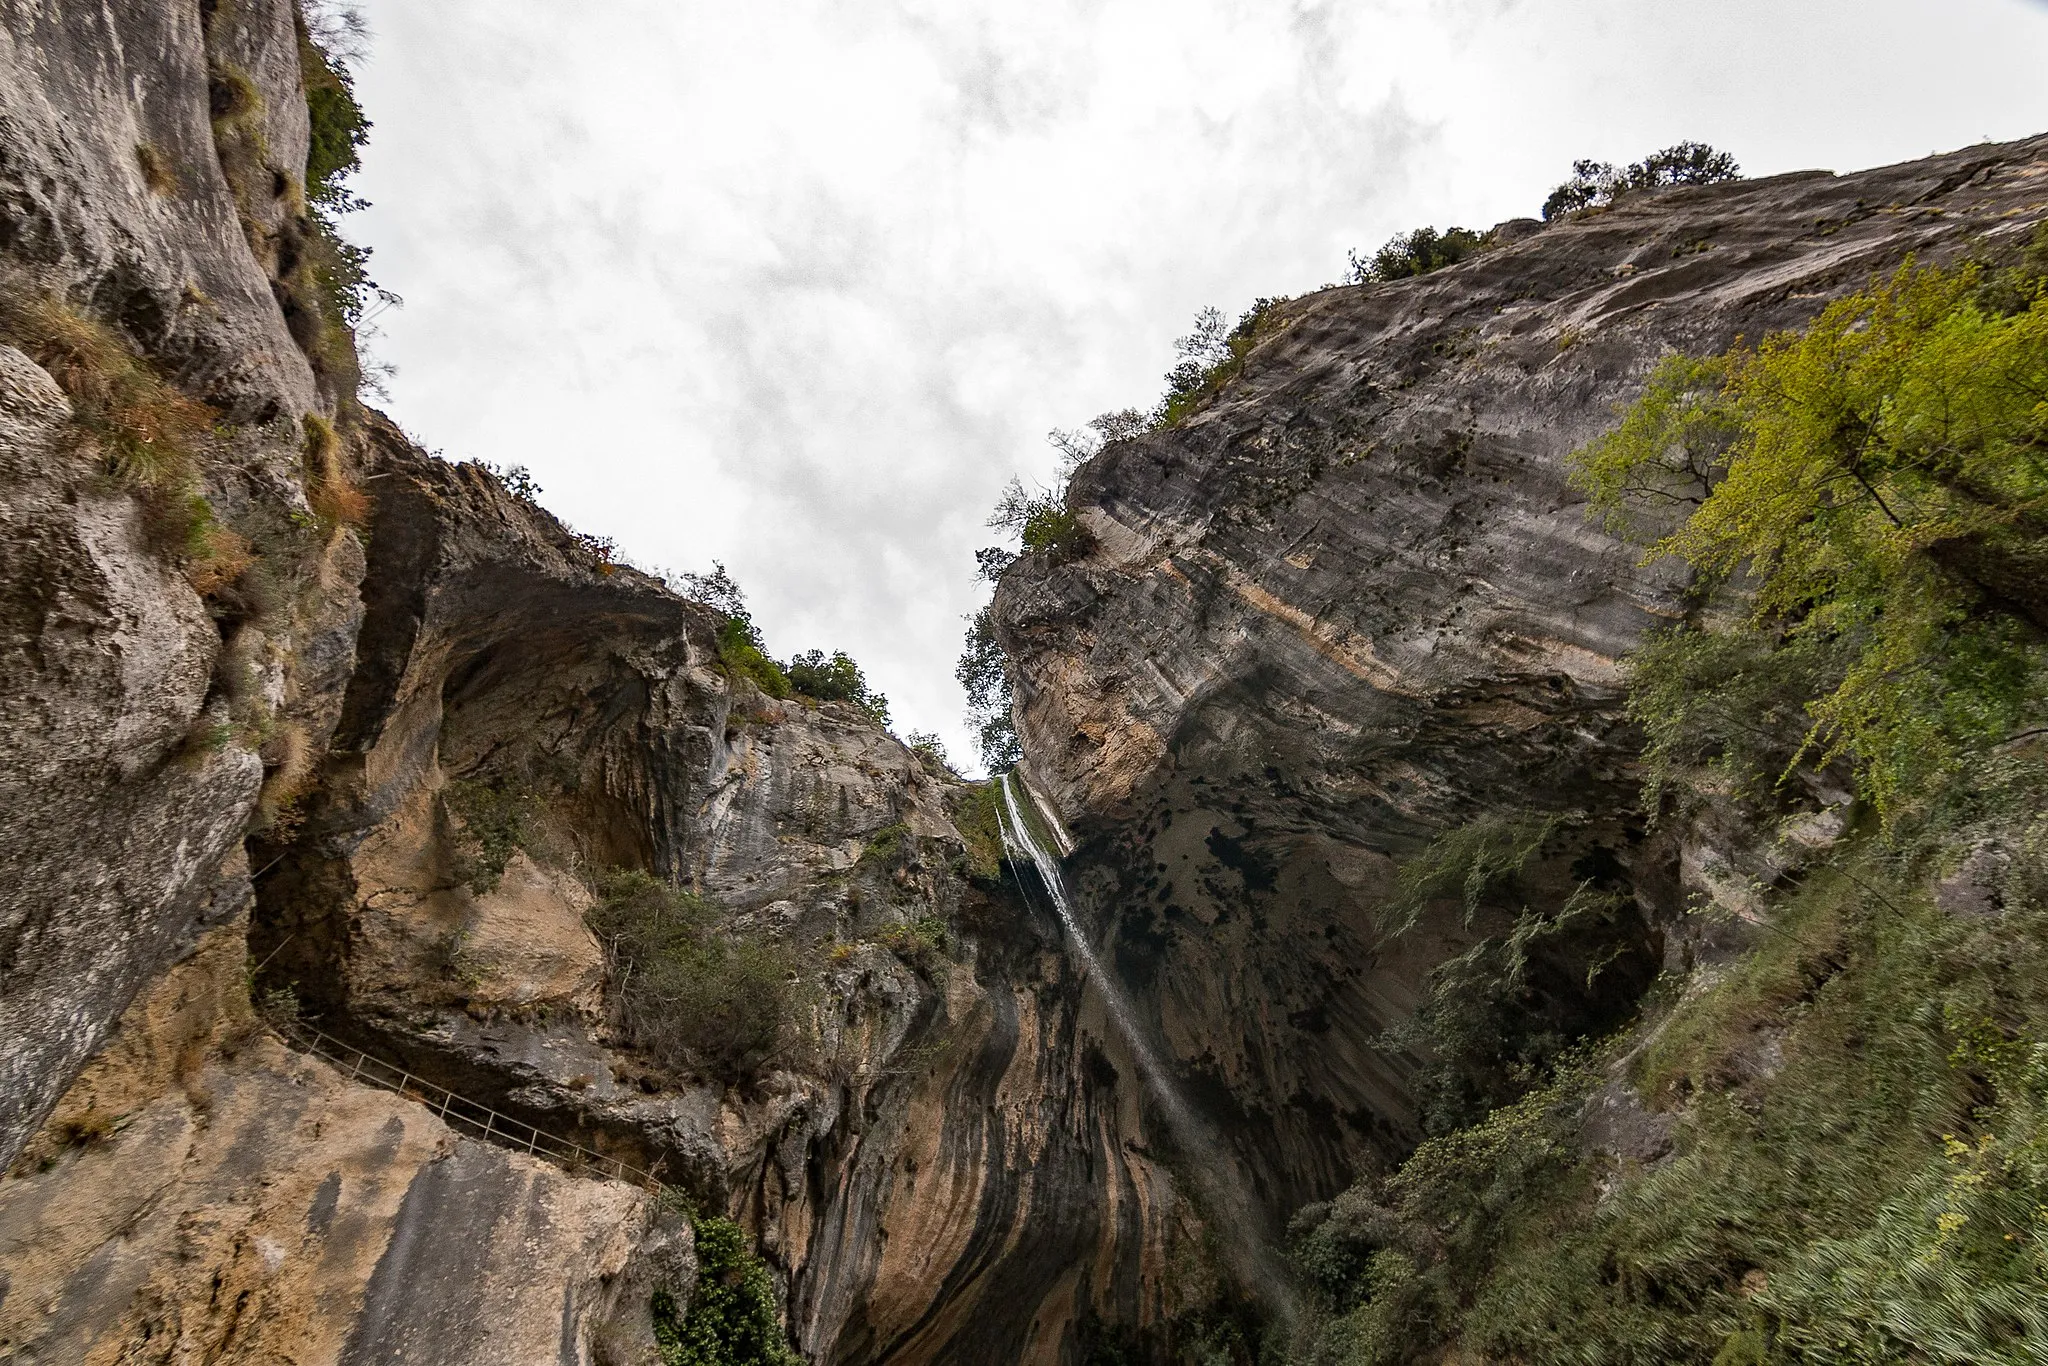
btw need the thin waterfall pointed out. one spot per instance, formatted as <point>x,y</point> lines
<point>1222,1196</point>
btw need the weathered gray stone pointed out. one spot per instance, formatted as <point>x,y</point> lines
<point>1355,602</point>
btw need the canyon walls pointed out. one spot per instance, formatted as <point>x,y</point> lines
<point>301,727</point>
<point>1353,603</point>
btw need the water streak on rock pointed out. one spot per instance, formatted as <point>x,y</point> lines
<point>1220,1190</point>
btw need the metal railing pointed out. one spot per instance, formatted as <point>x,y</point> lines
<point>461,1113</point>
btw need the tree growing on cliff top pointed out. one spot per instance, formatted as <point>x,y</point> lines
<point>1419,252</point>
<point>1594,183</point>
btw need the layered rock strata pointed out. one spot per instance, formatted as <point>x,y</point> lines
<point>1354,602</point>
<point>254,737</point>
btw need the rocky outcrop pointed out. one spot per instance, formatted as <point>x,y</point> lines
<point>1354,603</point>
<point>202,1193</point>
<point>937,1166</point>
<point>377,763</point>
<point>379,760</point>
<point>135,712</point>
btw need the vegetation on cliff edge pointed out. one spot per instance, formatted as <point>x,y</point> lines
<point>1834,1146</point>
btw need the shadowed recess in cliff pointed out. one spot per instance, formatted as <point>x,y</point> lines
<point>1219,1189</point>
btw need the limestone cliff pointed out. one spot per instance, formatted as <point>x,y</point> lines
<point>1352,603</point>
<point>258,651</point>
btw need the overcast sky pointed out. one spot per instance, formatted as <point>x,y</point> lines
<point>798,286</point>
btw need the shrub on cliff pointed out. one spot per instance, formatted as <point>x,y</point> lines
<point>1594,183</point>
<point>1877,487</point>
<point>836,678</point>
<point>732,1316</point>
<point>1415,253</point>
<point>1210,358</point>
<point>685,992</point>
<point>1041,523</point>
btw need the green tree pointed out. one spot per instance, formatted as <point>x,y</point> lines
<point>1878,486</point>
<point>731,1319</point>
<point>1414,253</point>
<point>1595,183</point>
<point>836,679</point>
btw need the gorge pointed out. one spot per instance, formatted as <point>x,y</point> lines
<point>1109,1059</point>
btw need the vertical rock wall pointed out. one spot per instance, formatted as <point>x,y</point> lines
<point>1355,603</point>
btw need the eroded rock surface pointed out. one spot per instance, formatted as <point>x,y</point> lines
<point>936,1170</point>
<point>130,751</point>
<point>205,1194</point>
<point>1354,603</point>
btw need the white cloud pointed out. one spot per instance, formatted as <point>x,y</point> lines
<point>798,286</point>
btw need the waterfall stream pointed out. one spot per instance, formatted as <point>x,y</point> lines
<point>1222,1197</point>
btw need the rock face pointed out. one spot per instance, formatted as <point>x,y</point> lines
<point>937,1174</point>
<point>263,757</point>
<point>114,672</point>
<point>205,1194</point>
<point>1354,603</point>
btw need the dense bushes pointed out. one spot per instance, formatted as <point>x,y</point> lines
<point>1415,253</point>
<point>685,993</point>
<point>1858,1177</point>
<point>811,675</point>
<point>732,1318</point>
<point>836,679</point>
<point>1856,1163</point>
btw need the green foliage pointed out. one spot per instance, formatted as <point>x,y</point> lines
<point>984,675</point>
<point>975,817</point>
<point>1665,457</point>
<point>1493,1019</point>
<point>1465,863</point>
<point>1594,183</point>
<point>1041,522</point>
<point>1210,359</point>
<point>739,649</point>
<point>1861,1173</point>
<point>921,943</point>
<point>330,293</point>
<point>338,127</point>
<point>837,679</point>
<point>930,751</point>
<point>341,270</point>
<point>1392,1261</point>
<point>732,1318</point>
<point>1415,253</point>
<point>812,674</point>
<point>1727,710</point>
<point>684,992</point>
<point>494,815</point>
<point>1881,495</point>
